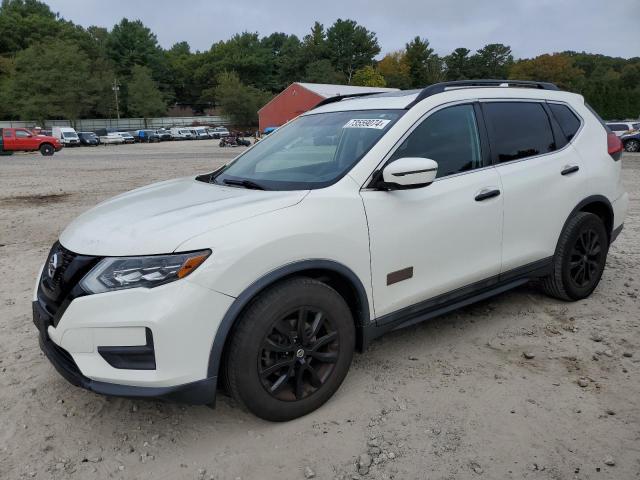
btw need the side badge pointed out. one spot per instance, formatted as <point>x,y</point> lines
<point>399,275</point>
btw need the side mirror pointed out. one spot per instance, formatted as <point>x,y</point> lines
<point>409,172</point>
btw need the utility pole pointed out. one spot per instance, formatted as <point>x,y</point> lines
<point>116,88</point>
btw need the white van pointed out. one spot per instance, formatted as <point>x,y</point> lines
<point>181,134</point>
<point>67,136</point>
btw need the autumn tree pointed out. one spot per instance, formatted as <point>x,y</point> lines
<point>395,70</point>
<point>368,76</point>
<point>556,68</point>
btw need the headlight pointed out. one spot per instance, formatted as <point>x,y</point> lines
<point>117,273</point>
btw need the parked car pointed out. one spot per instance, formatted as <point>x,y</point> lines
<point>111,138</point>
<point>181,134</point>
<point>146,136</point>
<point>218,132</point>
<point>201,133</point>
<point>22,140</point>
<point>128,138</point>
<point>631,142</point>
<point>624,128</point>
<point>163,134</point>
<point>88,139</point>
<point>67,136</point>
<point>359,217</point>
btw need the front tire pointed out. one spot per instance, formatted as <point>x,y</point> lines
<point>580,258</point>
<point>291,349</point>
<point>47,150</point>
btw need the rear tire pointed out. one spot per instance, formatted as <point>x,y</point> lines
<point>291,349</point>
<point>580,258</point>
<point>47,149</point>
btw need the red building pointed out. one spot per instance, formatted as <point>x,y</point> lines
<point>298,97</point>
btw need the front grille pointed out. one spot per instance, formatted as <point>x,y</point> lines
<point>58,284</point>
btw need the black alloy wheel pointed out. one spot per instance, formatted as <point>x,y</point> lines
<point>580,258</point>
<point>290,350</point>
<point>586,258</point>
<point>298,354</point>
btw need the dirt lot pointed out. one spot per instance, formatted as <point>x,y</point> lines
<point>452,398</point>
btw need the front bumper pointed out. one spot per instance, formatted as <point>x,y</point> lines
<point>196,393</point>
<point>183,318</point>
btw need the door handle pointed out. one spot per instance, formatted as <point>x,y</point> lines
<point>487,193</point>
<point>569,169</point>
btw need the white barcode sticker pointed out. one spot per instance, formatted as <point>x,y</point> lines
<point>377,123</point>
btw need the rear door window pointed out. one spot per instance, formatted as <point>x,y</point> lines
<point>518,130</point>
<point>569,122</point>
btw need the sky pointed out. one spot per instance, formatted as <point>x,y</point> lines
<point>530,27</point>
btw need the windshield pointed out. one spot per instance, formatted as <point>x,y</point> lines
<point>312,151</point>
<point>69,135</point>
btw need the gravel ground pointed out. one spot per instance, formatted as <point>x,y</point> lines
<point>519,386</point>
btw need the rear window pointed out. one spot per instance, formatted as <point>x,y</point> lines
<point>518,130</point>
<point>618,127</point>
<point>569,123</point>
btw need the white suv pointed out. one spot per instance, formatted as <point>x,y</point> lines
<point>361,216</point>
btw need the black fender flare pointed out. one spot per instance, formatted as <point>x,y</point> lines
<point>232,314</point>
<point>593,199</point>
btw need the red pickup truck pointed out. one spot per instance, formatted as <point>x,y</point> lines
<point>22,140</point>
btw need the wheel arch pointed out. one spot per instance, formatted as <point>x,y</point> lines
<point>598,205</point>
<point>337,275</point>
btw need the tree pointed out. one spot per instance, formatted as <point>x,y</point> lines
<point>351,46</point>
<point>368,76</point>
<point>321,71</point>
<point>395,70</point>
<point>556,68</point>
<point>286,60</point>
<point>458,64</point>
<point>425,67</point>
<point>50,81</point>
<point>240,102</point>
<point>131,43</point>
<point>145,99</point>
<point>314,45</point>
<point>491,61</point>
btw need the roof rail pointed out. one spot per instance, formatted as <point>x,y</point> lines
<point>337,98</point>
<point>444,86</point>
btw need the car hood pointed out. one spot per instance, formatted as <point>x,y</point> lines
<point>157,218</point>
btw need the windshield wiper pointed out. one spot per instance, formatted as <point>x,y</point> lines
<point>244,183</point>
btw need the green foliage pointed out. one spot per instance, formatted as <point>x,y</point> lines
<point>240,102</point>
<point>50,67</point>
<point>50,81</point>
<point>368,76</point>
<point>321,71</point>
<point>351,46</point>
<point>491,61</point>
<point>145,100</point>
<point>458,64</point>
<point>425,67</point>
